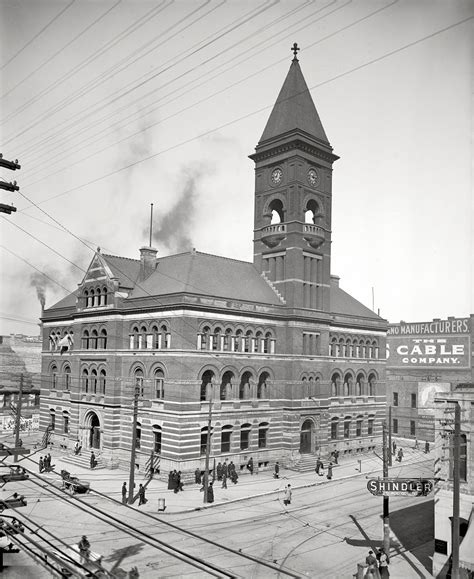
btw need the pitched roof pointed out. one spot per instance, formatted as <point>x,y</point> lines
<point>207,275</point>
<point>125,269</point>
<point>294,109</point>
<point>68,301</point>
<point>343,303</point>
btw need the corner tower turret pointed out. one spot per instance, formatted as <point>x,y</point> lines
<point>293,182</point>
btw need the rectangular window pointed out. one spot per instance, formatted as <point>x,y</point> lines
<point>370,427</point>
<point>412,427</point>
<point>395,426</point>
<point>159,388</point>
<point>359,428</point>
<point>66,424</point>
<point>334,429</point>
<point>203,442</point>
<point>244,439</point>
<point>347,428</point>
<point>395,398</point>
<point>225,440</point>
<point>413,400</point>
<point>53,421</point>
<point>157,442</point>
<point>262,438</point>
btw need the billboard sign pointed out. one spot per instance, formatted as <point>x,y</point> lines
<point>389,487</point>
<point>439,352</point>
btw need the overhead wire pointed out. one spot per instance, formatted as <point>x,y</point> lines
<point>38,34</point>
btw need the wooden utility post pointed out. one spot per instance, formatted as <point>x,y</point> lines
<point>389,436</point>
<point>18,417</point>
<point>456,491</point>
<point>386,512</point>
<point>131,480</point>
<point>208,449</point>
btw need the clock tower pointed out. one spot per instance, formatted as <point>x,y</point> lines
<point>293,179</point>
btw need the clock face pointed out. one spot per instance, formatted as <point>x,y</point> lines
<point>313,177</point>
<point>277,176</point>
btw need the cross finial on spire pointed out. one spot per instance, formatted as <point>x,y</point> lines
<point>295,49</point>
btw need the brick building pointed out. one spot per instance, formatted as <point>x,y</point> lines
<point>425,357</point>
<point>284,361</point>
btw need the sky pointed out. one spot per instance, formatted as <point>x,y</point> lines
<point>111,105</point>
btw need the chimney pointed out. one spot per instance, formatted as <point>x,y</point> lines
<point>335,280</point>
<point>147,262</point>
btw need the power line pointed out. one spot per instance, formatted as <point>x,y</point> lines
<point>60,13</point>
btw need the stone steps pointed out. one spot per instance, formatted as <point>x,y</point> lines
<point>83,460</point>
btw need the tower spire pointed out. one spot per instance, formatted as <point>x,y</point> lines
<point>295,50</point>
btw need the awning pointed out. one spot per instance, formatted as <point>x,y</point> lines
<point>466,549</point>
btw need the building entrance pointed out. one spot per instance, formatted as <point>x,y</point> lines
<point>93,423</point>
<point>306,436</point>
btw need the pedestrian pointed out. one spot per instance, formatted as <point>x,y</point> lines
<point>84,547</point>
<point>141,495</point>
<point>45,462</point>
<point>400,455</point>
<point>276,474</point>
<point>384,562</point>
<point>250,465</point>
<point>219,471</point>
<point>40,464</point>
<point>92,460</point>
<point>319,464</point>
<point>225,468</point>
<point>124,493</point>
<point>336,456</point>
<point>427,447</point>
<point>179,483</point>
<point>416,443</point>
<point>329,475</point>
<point>197,476</point>
<point>371,562</point>
<point>287,496</point>
<point>394,447</point>
<point>224,480</point>
<point>210,493</point>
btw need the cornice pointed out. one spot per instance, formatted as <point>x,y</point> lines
<point>291,146</point>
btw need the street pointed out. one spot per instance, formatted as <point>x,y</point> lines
<point>325,532</point>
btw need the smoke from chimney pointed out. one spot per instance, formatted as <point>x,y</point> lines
<point>40,283</point>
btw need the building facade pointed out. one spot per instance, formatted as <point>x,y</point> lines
<point>274,353</point>
<point>463,396</point>
<point>424,357</point>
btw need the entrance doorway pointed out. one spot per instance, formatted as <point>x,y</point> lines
<point>93,423</point>
<point>305,436</point>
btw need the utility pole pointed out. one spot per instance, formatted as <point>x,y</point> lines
<point>386,512</point>
<point>8,186</point>
<point>131,480</point>
<point>208,448</point>
<point>18,417</point>
<point>389,436</point>
<point>456,491</point>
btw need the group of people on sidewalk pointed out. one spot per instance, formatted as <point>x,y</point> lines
<point>377,565</point>
<point>319,468</point>
<point>175,483</point>
<point>44,464</point>
<point>225,471</point>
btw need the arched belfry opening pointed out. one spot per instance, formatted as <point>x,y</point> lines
<point>313,213</point>
<point>276,211</point>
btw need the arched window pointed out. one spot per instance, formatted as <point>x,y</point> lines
<point>244,386</point>
<point>238,341</point>
<point>276,211</point>
<point>139,381</point>
<point>248,341</point>
<point>359,422</point>
<point>54,376</point>
<point>334,348</point>
<point>370,425</point>
<point>85,380</point>
<point>216,341</point>
<point>347,426</point>
<point>361,349</point>
<point>305,391</point>
<point>262,434</point>
<point>226,386</point>
<point>159,382</point>
<point>359,383</point>
<point>334,428</point>
<point>262,385</point>
<point>165,337</point>
<point>103,298</point>
<point>342,348</point>
<point>245,436</point>
<point>315,388</point>
<point>138,435</point>
<point>94,381</point>
<point>157,432</point>
<point>92,298</point>
<point>206,385</point>
<point>267,343</point>
<point>372,384</point>
<point>94,340</point>
<point>226,436</point>
<point>375,349</point>
<point>258,343</point>
<point>134,338</point>
<point>204,432</point>
<point>67,377</point>
<point>228,340</point>
<point>103,339</point>
<point>206,331</point>
<point>310,386</point>
<point>102,380</point>
<point>347,384</point>
<point>86,299</point>
<point>65,422</point>
<point>85,340</point>
<point>349,349</point>
<point>368,346</point>
<point>142,338</point>
<point>335,384</point>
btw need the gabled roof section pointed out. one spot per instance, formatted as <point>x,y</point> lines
<point>207,275</point>
<point>125,269</point>
<point>68,301</point>
<point>343,303</point>
<point>294,109</point>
